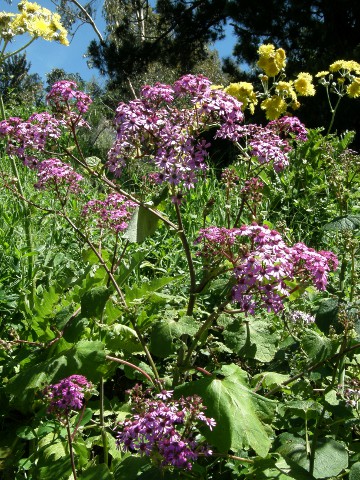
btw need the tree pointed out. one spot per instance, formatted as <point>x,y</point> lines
<point>175,35</point>
<point>16,84</point>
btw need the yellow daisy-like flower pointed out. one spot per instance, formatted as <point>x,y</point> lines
<point>244,92</point>
<point>285,90</point>
<point>303,84</point>
<point>347,65</point>
<point>271,60</point>
<point>353,90</point>
<point>39,22</point>
<point>29,7</point>
<point>274,107</point>
<point>321,74</point>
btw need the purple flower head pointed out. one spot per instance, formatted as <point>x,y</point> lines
<point>265,267</point>
<point>53,173</point>
<point>67,395</point>
<point>114,212</point>
<point>165,430</point>
<point>65,99</point>
<point>285,126</point>
<point>25,138</point>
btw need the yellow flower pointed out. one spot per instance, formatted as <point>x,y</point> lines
<point>347,65</point>
<point>353,90</point>
<point>274,107</point>
<point>244,92</point>
<point>216,87</point>
<point>285,90</point>
<point>323,73</point>
<point>271,60</point>
<point>39,22</point>
<point>303,84</point>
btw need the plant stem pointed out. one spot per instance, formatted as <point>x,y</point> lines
<point>205,326</point>
<point>71,448</point>
<point>102,423</point>
<point>131,365</point>
<point>185,244</point>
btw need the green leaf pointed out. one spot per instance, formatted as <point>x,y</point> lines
<point>252,339</point>
<point>93,301</point>
<point>120,337</point>
<point>242,416</point>
<point>166,332</point>
<point>96,472</point>
<point>142,224</point>
<point>317,346</point>
<point>269,379</point>
<point>346,222</point>
<point>85,357</point>
<point>354,473</point>
<point>327,315</point>
<point>331,457</point>
<point>136,293</point>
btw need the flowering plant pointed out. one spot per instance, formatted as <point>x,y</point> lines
<point>201,283</point>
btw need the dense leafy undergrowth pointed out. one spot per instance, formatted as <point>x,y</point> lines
<point>166,317</point>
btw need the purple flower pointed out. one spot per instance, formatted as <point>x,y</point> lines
<point>114,212</point>
<point>69,102</point>
<point>67,395</point>
<point>264,266</point>
<point>53,173</point>
<point>165,430</point>
<point>285,126</point>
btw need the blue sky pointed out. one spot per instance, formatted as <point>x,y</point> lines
<point>44,56</point>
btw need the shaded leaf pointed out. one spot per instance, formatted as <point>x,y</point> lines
<point>166,332</point>
<point>242,416</point>
<point>346,222</point>
<point>252,339</point>
<point>143,223</point>
<point>331,457</point>
<point>93,301</point>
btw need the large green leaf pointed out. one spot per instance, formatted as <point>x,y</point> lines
<point>167,331</point>
<point>252,339</point>
<point>318,347</point>
<point>143,223</point>
<point>96,472</point>
<point>243,417</point>
<point>93,301</point>
<point>355,472</point>
<point>331,457</point>
<point>137,293</point>
<point>85,358</point>
<point>346,222</point>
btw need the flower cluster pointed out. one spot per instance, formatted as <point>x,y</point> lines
<point>53,173</point>
<point>244,92</point>
<point>166,430</point>
<point>26,138</point>
<point>34,20</point>
<point>343,78</point>
<point>114,212</point>
<point>299,317</point>
<point>286,126</point>
<point>280,94</point>
<point>271,61</point>
<point>266,270</point>
<point>156,130</point>
<point>69,102</point>
<point>69,394</point>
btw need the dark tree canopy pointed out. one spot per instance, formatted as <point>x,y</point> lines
<point>314,33</point>
<point>176,32</point>
<point>17,84</point>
